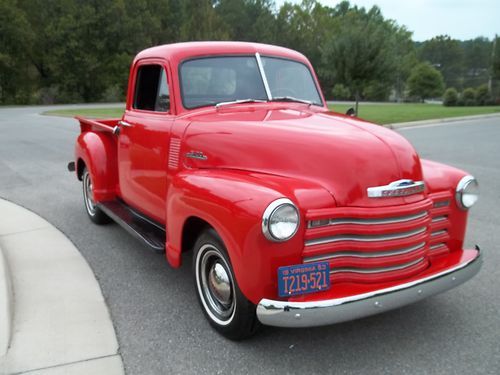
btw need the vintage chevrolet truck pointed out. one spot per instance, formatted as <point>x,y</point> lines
<point>296,216</point>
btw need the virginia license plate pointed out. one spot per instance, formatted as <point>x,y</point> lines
<point>303,278</point>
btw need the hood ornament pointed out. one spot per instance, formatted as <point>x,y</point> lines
<point>400,188</point>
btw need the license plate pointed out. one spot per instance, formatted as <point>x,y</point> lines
<point>303,278</point>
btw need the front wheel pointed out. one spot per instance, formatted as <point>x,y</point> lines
<point>223,304</point>
<point>93,211</point>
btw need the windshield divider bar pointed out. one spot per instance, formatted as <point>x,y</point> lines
<point>263,75</point>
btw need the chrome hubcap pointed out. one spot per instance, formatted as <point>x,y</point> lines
<point>219,284</point>
<point>215,283</point>
<point>88,194</point>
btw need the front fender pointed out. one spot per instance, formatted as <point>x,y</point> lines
<point>233,203</point>
<point>443,178</point>
<point>99,153</point>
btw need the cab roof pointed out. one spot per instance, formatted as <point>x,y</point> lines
<point>178,52</point>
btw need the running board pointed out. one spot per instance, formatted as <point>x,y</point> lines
<point>147,231</point>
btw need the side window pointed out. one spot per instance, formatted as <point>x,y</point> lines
<point>151,89</point>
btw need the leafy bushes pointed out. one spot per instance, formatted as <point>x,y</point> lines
<point>340,92</point>
<point>469,97</point>
<point>483,96</point>
<point>450,97</point>
<point>425,81</point>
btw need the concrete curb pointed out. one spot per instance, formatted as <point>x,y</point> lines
<point>61,324</point>
<point>6,305</point>
<point>439,121</point>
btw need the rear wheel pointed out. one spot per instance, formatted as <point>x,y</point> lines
<point>223,304</point>
<point>93,211</point>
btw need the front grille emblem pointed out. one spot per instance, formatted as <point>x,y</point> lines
<point>400,188</point>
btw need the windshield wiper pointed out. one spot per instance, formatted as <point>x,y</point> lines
<point>239,101</point>
<point>290,99</point>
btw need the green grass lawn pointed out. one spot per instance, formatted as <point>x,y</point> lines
<point>379,113</point>
<point>391,113</point>
<point>87,112</point>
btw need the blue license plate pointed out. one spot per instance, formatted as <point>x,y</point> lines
<point>303,278</point>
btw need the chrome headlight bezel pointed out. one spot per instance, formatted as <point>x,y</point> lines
<point>271,210</point>
<point>463,187</point>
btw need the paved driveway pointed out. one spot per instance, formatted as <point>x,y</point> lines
<point>160,327</point>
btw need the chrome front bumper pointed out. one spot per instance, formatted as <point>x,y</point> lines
<point>318,313</point>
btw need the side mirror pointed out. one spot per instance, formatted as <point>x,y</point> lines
<point>351,112</point>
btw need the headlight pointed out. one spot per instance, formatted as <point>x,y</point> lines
<point>467,192</point>
<point>280,220</point>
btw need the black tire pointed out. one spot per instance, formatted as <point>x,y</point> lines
<point>228,311</point>
<point>96,215</point>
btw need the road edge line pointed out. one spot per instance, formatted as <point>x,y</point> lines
<point>410,124</point>
<point>6,304</point>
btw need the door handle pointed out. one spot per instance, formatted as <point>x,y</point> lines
<point>124,123</point>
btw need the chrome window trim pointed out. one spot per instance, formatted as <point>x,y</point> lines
<point>263,75</point>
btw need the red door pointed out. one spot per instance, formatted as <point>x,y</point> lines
<point>144,140</point>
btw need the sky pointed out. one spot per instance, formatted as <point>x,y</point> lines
<point>460,19</point>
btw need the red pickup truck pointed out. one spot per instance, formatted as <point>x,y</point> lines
<point>296,216</point>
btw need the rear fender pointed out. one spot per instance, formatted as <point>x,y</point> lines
<point>98,151</point>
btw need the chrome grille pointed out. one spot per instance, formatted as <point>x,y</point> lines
<point>366,238</point>
<point>369,244</point>
<point>357,221</point>
<point>379,269</point>
<point>440,224</point>
<point>360,254</point>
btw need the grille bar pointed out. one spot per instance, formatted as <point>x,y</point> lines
<point>385,220</point>
<point>436,246</point>
<point>365,238</point>
<point>438,219</point>
<point>379,269</point>
<point>359,254</point>
<point>438,233</point>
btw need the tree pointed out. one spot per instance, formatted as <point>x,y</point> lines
<point>16,39</point>
<point>360,52</point>
<point>495,69</point>
<point>425,82</point>
<point>304,27</point>
<point>477,58</point>
<point>446,55</point>
<point>201,22</point>
<point>248,20</point>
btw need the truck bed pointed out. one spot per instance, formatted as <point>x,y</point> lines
<point>97,125</point>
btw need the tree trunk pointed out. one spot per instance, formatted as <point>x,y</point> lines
<point>357,103</point>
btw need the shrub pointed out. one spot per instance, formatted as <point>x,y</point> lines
<point>483,95</point>
<point>113,94</point>
<point>450,97</point>
<point>377,91</point>
<point>469,96</point>
<point>425,82</point>
<point>340,92</point>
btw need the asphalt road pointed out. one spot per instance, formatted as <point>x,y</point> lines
<point>160,326</point>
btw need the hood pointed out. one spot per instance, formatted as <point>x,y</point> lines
<point>344,155</point>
